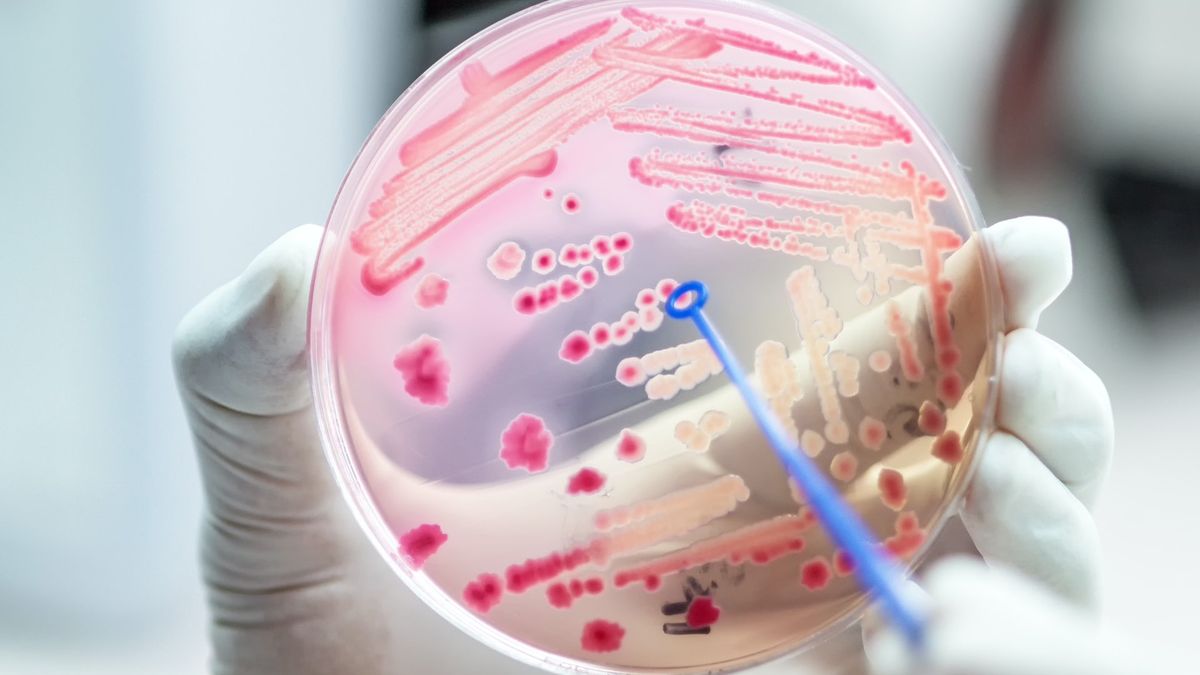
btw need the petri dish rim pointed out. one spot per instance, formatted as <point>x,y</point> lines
<point>326,396</point>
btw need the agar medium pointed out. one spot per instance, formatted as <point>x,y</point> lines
<point>544,459</point>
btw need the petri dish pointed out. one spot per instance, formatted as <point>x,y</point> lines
<point>540,454</point>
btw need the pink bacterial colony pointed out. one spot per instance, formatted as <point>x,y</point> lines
<point>815,574</point>
<point>585,481</point>
<point>526,444</point>
<point>432,291</point>
<point>607,251</point>
<point>908,537</point>
<point>602,636</point>
<point>843,564</point>
<point>647,317</point>
<point>425,371</point>
<point>421,542</point>
<point>892,490</point>
<point>562,595</point>
<point>630,446</point>
<point>507,260</point>
<point>702,611</point>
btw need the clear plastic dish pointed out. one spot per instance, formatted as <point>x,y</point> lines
<point>545,459</point>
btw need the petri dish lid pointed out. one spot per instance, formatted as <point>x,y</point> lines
<point>540,454</point>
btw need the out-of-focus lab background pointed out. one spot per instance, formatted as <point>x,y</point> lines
<point>149,149</point>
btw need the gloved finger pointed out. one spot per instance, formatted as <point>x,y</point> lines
<point>243,375</point>
<point>992,622</point>
<point>1033,255</point>
<point>242,370</point>
<point>278,546</point>
<point>1019,514</point>
<point>243,346</point>
<point>1059,408</point>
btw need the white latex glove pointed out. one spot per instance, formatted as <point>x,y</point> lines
<point>994,622</point>
<point>1026,509</point>
<point>295,587</point>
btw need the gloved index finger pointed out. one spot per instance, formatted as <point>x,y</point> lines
<point>1033,257</point>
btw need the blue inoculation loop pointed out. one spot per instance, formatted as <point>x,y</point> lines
<point>877,574</point>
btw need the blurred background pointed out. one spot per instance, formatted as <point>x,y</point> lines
<point>148,150</point>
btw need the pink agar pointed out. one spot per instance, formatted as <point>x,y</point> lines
<point>421,542</point>
<point>526,444</point>
<point>425,371</point>
<point>390,236</point>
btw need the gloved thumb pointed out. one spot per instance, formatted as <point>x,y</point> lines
<point>243,347</point>
<point>242,371</point>
<point>277,543</point>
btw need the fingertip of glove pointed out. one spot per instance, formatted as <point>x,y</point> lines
<point>1033,254</point>
<point>954,575</point>
<point>243,344</point>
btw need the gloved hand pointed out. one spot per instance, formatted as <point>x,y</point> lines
<point>295,587</point>
<point>994,622</point>
<point>1026,509</point>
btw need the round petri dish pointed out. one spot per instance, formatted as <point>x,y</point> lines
<point>539,453</point>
